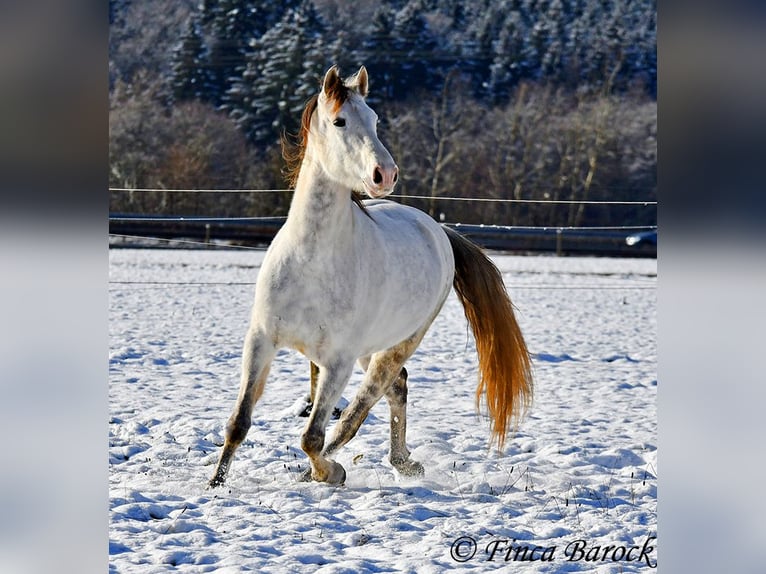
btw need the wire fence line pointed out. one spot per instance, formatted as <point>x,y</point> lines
<point>403,196</point>
<point>126,226</point>
<point>201,219</point>
<point>518,286</point>
<point>181,190</point>
<point>649,283</point>
<point>184,241</point>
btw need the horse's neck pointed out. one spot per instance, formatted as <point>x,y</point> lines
<point>320,210</point>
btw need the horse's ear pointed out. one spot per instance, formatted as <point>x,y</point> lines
<point>331,81</point>
<point>362,82</point>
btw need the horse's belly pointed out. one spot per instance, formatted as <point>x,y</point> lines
<point>394,328</point>
<point>324,331</point>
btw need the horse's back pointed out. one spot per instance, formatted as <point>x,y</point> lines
<point>410,235</point>
<point>395,219</point>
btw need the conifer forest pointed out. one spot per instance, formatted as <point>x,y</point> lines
<point>505,99</point>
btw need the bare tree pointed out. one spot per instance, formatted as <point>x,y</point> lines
<point>187,146</point>
<point>447,115</point>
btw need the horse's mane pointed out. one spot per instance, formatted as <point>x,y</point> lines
<point>294,148</point>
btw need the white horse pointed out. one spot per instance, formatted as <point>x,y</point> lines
<point>345,281</point>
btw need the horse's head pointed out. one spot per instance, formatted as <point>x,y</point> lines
<point>344,133</point>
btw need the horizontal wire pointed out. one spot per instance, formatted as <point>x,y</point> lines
<point>158,284</point>
<point>186,241</point>
<point>402,196</point>
<point>213,245</point>
<point>184,283</point>
<point>194,218</point>
<point>543,201</point>
<point>151,189</point>
<point>482,226</point>
<point>252,283</point>
<point>459,226</point>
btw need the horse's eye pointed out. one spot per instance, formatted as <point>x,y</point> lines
<point>339,122</point>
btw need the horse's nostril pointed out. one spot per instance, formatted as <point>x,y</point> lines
<point>377,177</point>
<point>396,176</point>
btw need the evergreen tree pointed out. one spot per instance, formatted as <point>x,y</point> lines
<point>458,14</point>
<point>189,77</point>
<point>649,49</point>
<point>376,54</point>
<point>413,52</point>
<point>344,51</point>
<point>538,40</point>
<point>479,47</point>
<point>641,45</point>
<point>282,72</point>
<point>553,61</point>
<point>612,47</point>
<point>576,46</point>
<point>593,49</point>
<point>508,65</point>
<point>233,25</point>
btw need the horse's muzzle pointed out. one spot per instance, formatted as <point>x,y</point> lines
<point>384,179</point>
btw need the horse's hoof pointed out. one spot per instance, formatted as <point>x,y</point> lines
<point>409,467</point>
<point>305,476</point>
<point>216,481</point>
<point>336,412</point>
<point>335,476</point>
<point>307,411</point>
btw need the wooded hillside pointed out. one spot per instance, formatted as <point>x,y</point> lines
<point>524,99</point>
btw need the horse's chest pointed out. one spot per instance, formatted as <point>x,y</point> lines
<point>300,296</point>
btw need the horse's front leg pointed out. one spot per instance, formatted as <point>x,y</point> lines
<point>257,355</point>
<point>330,384</point>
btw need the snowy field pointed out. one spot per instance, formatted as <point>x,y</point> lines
<point>574,491</point>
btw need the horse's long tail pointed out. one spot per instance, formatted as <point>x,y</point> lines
<point>505,370</point>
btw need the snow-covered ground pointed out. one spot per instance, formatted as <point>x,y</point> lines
<point>578,480</point>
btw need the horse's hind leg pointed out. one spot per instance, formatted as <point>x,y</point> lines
<point>313,376</point>
<point>377,378</point>
<point>256,358</point>
<point>385,376</point>
<point>397,402</point>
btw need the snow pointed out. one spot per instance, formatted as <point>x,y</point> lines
<point>579,475</point>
